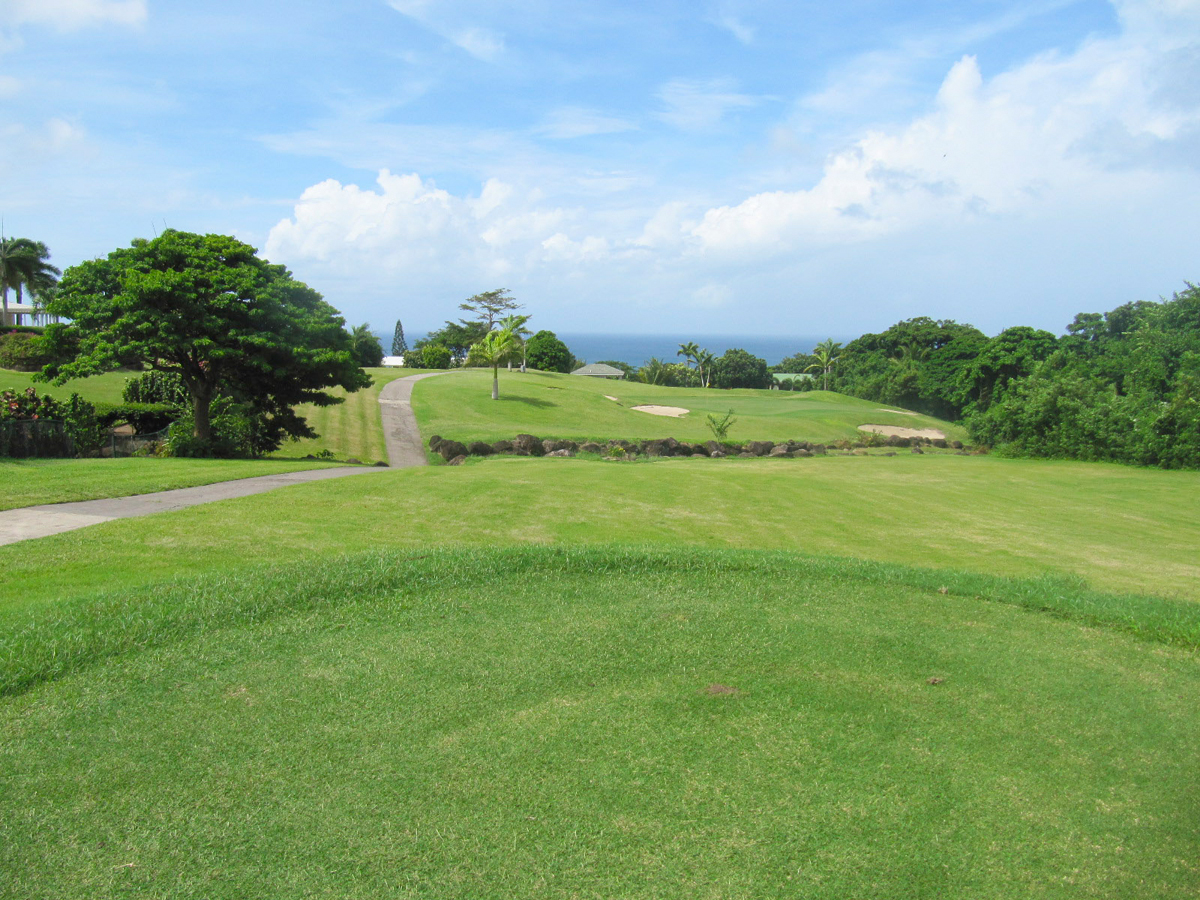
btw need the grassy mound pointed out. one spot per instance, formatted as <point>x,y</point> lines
<point>459,406</point>
<point>550,722</point>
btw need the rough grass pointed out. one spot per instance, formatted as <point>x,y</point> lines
<point>352,429</point>
<point>553,722</point>
<point>31,482</point>
<point>1119,529</point>
<point>459,406</point>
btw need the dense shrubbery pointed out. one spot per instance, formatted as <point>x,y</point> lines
<point>24,351</point>
<point>80,427</point>
<point>1121,386</point>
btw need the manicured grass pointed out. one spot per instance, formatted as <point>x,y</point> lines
<point>31,482</point>
<point>104,388</point>
<point>1119,528</point>
<point>459,406</point>
<point>352,429</point>
<point>554,722</point>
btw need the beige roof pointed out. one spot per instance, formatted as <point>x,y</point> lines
<point>600,369</point>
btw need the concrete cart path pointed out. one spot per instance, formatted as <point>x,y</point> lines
<point>404,446</point>
<point>52,518</point>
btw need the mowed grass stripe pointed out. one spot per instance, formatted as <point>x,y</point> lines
<point>546,722</point>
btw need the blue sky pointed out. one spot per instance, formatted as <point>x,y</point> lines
<point>693,167</point>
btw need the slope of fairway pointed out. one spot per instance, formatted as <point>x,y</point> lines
<point>351,429</point>
<point>459,406</point>
<point>1116,527</point>
<point>567,723</point>
<point>104,388</point>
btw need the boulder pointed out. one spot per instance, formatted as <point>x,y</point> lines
<point>561,445</point>
<point>447,450</point>
<point>957,445</point>
<point>780,450</point>
<point>916,449</point>
<point>479,448</point>
<point>746,454</point>
<point>380,464</point>
<point>802,453</point>
<point>457,461</point>
<point>716,454</point>
<point>894,440</point>
<point>528,445</point>
<point>713,447</point>
<point>624,445</point>
<point>940,444</point>
<point>561,453</point>
<point>502,447</point>
<point>819,449</point>
<point>759,448</point>
<point>590,447</point>
<point>656,448</point>
<point>434,441</point>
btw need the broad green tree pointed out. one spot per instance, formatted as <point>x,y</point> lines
<point>208,308</point>
<point>368,352</point>
<point>547,353</point>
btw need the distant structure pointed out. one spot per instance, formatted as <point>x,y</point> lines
<point>600,370</point>
<point>394,362</point>
<point>33,315</point>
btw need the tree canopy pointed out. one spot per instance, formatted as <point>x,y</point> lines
<point>489,308</point>
<point>208,308</point>
<point>25,266</point>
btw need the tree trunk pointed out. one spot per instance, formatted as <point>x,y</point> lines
<point>201,403</point>
<point>496,382</point>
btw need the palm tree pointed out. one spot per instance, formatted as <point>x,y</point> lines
<point>516,324</point>
<point>24,264</point>
<point>824,352</point>
<point>705,361</point>
<point>495,348</point>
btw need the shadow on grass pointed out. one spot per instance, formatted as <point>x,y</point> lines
<point>529,401</point>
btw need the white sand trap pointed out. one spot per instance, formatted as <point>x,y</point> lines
<point>674,411</point>
<point>613,399</point>
<point>899,412</point>
<point>889,430</point>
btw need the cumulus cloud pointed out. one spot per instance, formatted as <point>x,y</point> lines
<point>1052,131</point>
<point>70,14</point>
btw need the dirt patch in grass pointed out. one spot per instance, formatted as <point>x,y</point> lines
<point>890,430</point>
<point>721,690</point>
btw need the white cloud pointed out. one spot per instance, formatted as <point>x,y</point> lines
<point>700,105</point>
<point>66,15</point>
<point>734,25</point>
<point>1039,136</point>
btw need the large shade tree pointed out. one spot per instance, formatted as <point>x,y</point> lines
<point>208,308</point>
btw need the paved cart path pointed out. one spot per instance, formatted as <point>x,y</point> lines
<point>404,449</point>
<point>404,446</point>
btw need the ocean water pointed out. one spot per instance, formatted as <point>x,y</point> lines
<point>635,349</point>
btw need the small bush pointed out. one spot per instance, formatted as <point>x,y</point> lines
<point>23,351</point>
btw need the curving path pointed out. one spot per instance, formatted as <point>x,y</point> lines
<point>404,448</point>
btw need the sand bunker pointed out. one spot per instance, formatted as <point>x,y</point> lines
<point>613,399</point>
<point>899,412</point>
<point>674,411</point>
<point>889,430</point>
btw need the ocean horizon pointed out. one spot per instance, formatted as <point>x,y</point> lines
<point>636,349</point>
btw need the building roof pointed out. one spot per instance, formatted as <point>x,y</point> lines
<point>601,370</point>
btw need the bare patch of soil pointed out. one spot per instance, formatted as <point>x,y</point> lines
<point>899,412</point>
<point>889,430</point>
<point>720,690</point>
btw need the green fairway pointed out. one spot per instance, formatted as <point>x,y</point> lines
<point>566,723</point>
<point>1118,528</point>
<point>459,406</point>
<point>351,429</point>
<point>104,388</point>
<point>31,482</point>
